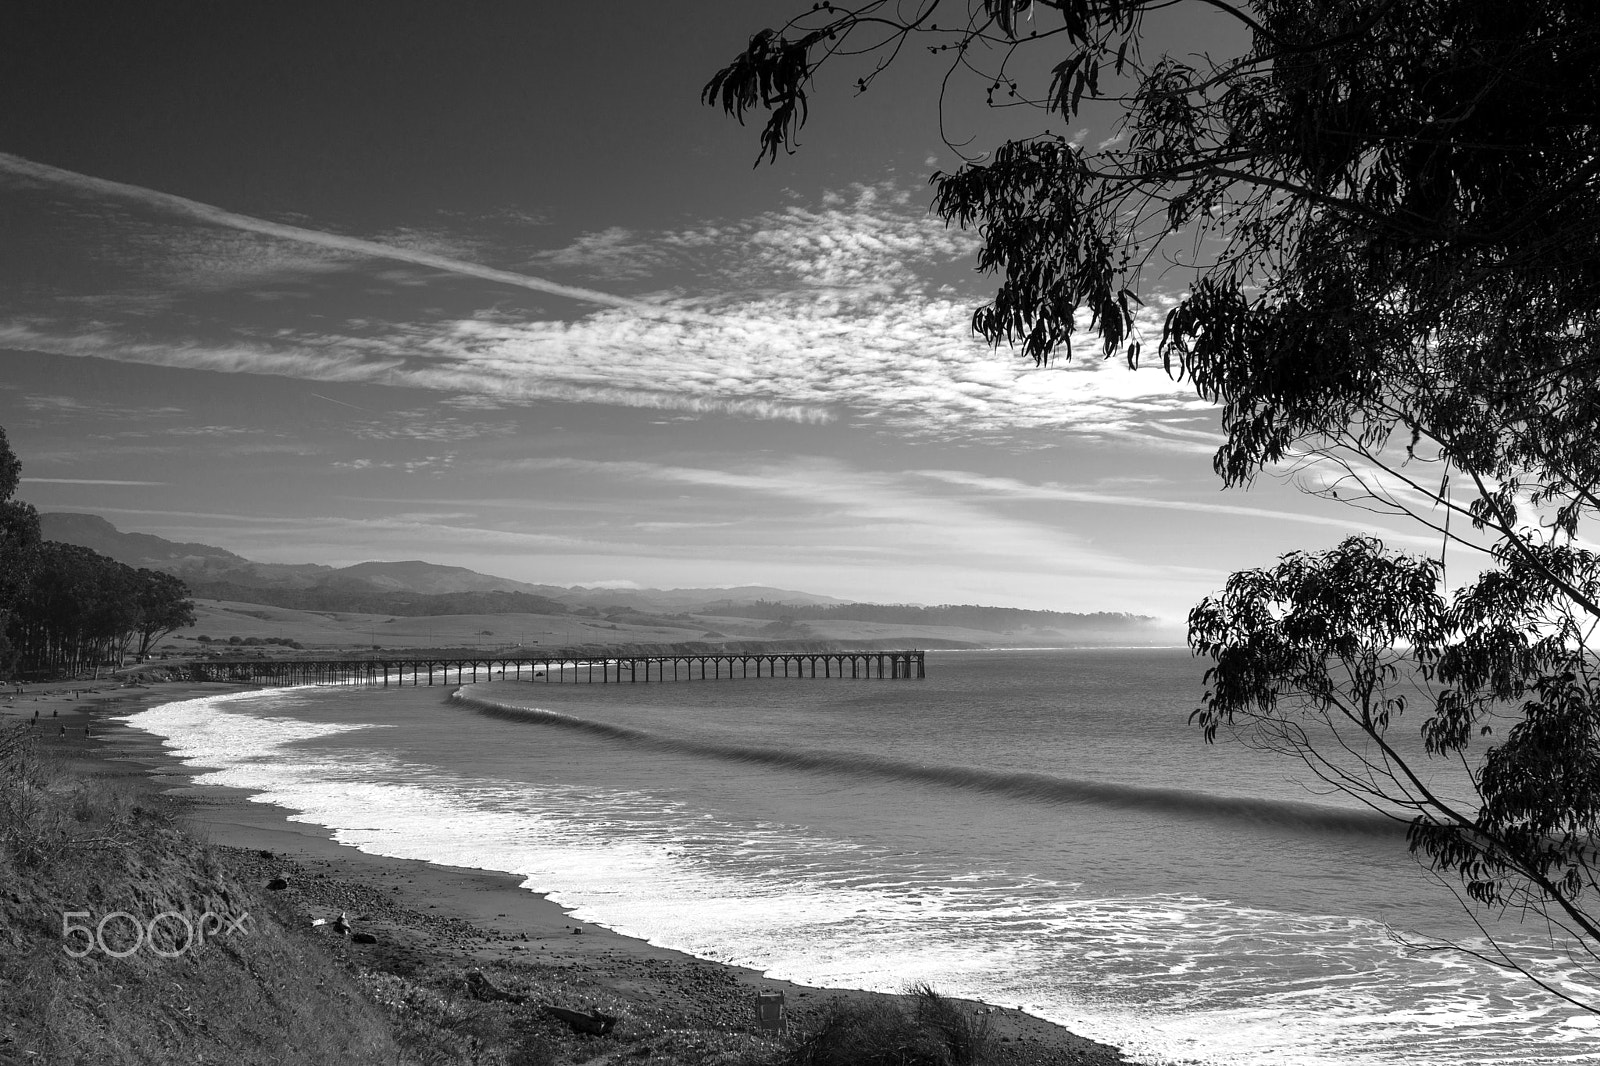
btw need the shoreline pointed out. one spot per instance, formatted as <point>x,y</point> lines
<point>424,912</point>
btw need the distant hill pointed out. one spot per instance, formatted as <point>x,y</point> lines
<point>134,549</point>
<point>192,562</point>
<point>668,601</point>
<point>962,615</point>
<point>414,575</point>
<point>203,565</point>
<point>351,596</point>
<point>379,587</point>
<point>414,588</point>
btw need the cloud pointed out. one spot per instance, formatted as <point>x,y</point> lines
<point>211,431</point>
<point>908,366</point>
<point>856,307</point>
<point>73,406</point>
<point>870,239</point>
<point>209,516</point>
<point>614,252</point>
<point>861,303</point>
<point>421,424</point>
<point>217,216</point>
<point>295,538</point>
<point>209,259</point>
<point>336,359</point>
<point>874,515</point>
<point>425,464</point>
<point>847,307</point>
<point>313,363</point>
<point>1014,489</point>
<point>87,481</point>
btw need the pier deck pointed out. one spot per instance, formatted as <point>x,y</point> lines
<point>564,669</point>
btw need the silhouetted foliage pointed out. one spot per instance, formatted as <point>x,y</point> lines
<point>162,604</point>
<point>1320,656</point>
<point>64,608</point>
<point>80,610</point>
<point>76,609</point>
<point>1375,229</point>
<point>19,538</point>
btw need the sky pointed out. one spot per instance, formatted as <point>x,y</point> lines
<point>485,284</point>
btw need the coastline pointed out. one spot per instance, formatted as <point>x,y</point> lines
<point>424,913</point>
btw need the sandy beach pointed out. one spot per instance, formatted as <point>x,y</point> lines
<point>423,915</point>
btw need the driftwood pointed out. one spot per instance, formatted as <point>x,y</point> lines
<point>593,1023</point>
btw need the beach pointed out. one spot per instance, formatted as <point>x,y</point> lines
<point>423,916</point>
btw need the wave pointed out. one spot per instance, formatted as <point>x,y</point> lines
<point>1285,814</point>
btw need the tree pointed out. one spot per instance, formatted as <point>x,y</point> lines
<point>64,608</point>
<point>1318,657</point>
<point>1385,219</point>
<point>19,537</point>
<point>162,604</point>
<point>76,612</point>
<point>80,609</point>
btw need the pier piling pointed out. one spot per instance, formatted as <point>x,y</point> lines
<point>574,669</point>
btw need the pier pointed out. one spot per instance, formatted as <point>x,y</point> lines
<point>592,669</point>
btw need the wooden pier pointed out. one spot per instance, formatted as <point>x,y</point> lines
<point>596,669</point>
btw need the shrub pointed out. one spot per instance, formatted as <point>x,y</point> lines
<point>929,1031</point>
<point>93,802</point>
<point>31,828</point>
<point>964,1033</point>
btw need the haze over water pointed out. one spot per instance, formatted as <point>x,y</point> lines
<point>1035,829</point>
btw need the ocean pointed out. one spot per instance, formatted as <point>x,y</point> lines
<point>1036,829</point>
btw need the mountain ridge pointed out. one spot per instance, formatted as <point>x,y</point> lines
<point>204,565</point>
<point>414,587</point>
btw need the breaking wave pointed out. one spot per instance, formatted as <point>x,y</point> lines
<point>1284,814</point>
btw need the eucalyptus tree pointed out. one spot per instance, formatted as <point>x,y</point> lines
<point>19,536</point>
<point>77,611</point>
<point>63,607</point>
<point>161,605</point>
<point>1385,221</point>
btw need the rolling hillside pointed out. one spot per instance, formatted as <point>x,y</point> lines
<point>412,603</point>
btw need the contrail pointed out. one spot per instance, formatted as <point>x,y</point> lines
<point>232,219</point>
<point>85,481</point>
<point>1021,490</point>
<point>341,403</point>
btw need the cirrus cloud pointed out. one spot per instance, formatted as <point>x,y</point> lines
<point>855,307</point>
